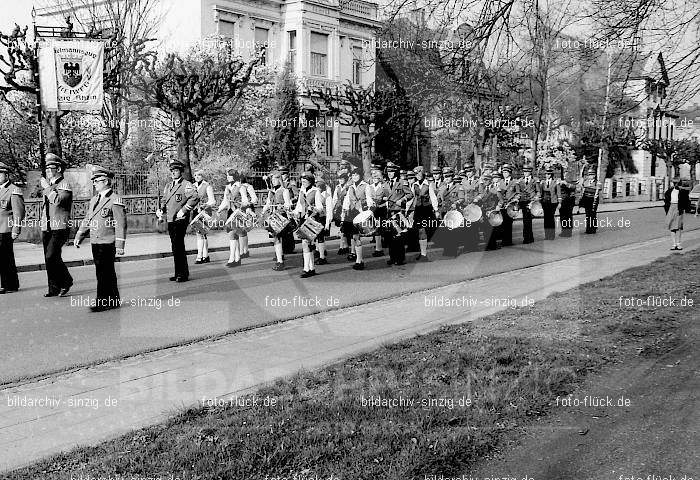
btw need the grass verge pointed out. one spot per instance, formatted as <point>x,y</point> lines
<point>431,405</point>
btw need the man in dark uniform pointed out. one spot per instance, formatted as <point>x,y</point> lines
<point>179,198</point>
<point>489,199</point>
<point>529,191</point>
<point>11,216</point>
<point>398,196</point>
<point>55,225</point>
<point>511,193</point>
<point>450,197</point>
<point>590,190</point>
<point>566,209</point>
<point>551,193</point>
<point>288,243</point>
<point>470,186</point>
<point>106,222</point>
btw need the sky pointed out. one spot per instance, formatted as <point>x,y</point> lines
<point>11,11</point>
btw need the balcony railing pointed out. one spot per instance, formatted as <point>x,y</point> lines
<point>359,8</point>
<point>308,84</point>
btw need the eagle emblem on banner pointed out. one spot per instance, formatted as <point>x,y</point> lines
<point>72,70</point>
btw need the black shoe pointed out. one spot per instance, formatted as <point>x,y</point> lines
<point>198,261</point>
<point>206,260</point>
<point>507,244</point>
<point>235,264</point>
<point>97,309</point>
<point>3,291</point>
<point>317,254</point>
<point>402,262</point>
<point>172,279</point>
<point>352,257</point>
<point>182,279</point>
<point>51,294</point>
<point>308,274</point>
<point>245,255</point>
<point>422,258</point>
<point>359,266</point>
<point>279,266</point>
<point>390,262</point>
<point>342,251</point>
<point>322,261</point>
<point>525,242</point>
<point>378,253</point>
<point>64,291</point>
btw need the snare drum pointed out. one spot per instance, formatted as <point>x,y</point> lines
<point>453,219</point>
<point>472,213</point>
<point>201,224</point>
<point>234,221</point>
<point>536,208</point>
<point>366,223</point>
<point>513,210</point>
<point>276,222</point>
<point>494,218</point>
<point>309,230</point>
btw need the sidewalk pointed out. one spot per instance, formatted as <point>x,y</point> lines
<point>30,257</point>
<point>95,404</point>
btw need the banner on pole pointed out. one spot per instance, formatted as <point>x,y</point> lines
<point>70,74</point>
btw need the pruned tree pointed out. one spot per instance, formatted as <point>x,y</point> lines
<point>192,90</point>
<point>366,108</point>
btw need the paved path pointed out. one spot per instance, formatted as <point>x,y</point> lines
<point>104,401</point>
<point>41,335</point>
<point>30,257</point>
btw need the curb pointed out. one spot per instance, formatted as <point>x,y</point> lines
<point>152,256</point>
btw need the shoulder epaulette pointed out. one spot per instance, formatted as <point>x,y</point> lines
<point>16,190</point>
<point>64,185</point>
<point>118,200</point>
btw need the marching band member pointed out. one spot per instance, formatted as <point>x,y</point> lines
<point>248,208</point>
<point>338,197</point>
<point>325,219</point>
<point>356,200</point>
<point>425,206</point>
<point>179,198</point>
<point>529,191</point>
<point>288,240</point>
<point>278,198</point>
<point>12,211</point>
<point>55,228</point>
<point>308,205</point>
<point>450,197</point>
<point>398,196</point>
<point>489,198</point>
<point>437,176</point>
<point>470,186</point>
<point>566,209</point>
<point>510,190</point>
<point>237,195</point>
<point>205,192</point>
<point>590,189</point>
<point>551,193</point>
<point>379,196</point>
<point>106,222</point>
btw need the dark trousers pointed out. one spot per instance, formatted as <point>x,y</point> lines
<point>177,231</point>
<point>469,236</point>
<point>490,235</point>
<point>528,236</point>
<point>506,229</point>
<point>288,244</point>
<point>566,216</point>
<point>397,248</point>
<point>107,290</point>
<point>8,270</point>
<point>56,271</point>
<point>450,240</point>
<point>591,214</point>
<point>550,225</point>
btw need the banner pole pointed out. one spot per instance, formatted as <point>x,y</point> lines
<point>39,106</point>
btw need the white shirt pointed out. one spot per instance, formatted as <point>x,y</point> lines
<point>674,195</point>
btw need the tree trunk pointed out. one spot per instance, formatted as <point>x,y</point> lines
<point>366,147</point>
<point>184,138</point>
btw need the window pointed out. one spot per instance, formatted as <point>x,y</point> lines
<point>356,143</point>
<point>319,54</point>
<point>329,143</point>
<point>293,48</point>
<point>627,189</point>
<point>226,29</point>
<point>356,65</point>
<point>261,40</point>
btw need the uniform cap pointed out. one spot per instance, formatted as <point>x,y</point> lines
<point>447,170</point>
<point>283,170</point>
<point>497,175</point>
<point>507,168</point>
<point>99,171</point>
<point>418,170</point>
<point>176,165</point>
<point>487,176</point>
<point>357,171</point>
<point>436,169</point>
<point>53,160</point>
<point>469,167</point>
<point>392,167</point>
<point>429,176</point>
<point>275,173</point>
<point>199,172</point>
<point>410,174</point>
<point>527,168</point>
<point>549,170</point>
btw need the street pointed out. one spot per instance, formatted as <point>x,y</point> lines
<point>50,335</point>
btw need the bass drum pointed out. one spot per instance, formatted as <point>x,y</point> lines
<point>366,223</point>
<point>472,213</point>
<point>453,219</point>
<point>495,218</point>
<point>513,210</point>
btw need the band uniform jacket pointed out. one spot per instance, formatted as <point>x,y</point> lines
<point>424,195</point>
<point>684,204</point>
<point>450,193</point>
<point>205,192</point>
<point>510,189</point>
<point>11,208</point>
<point>358,197</point>
<point>106,220</point>
<point>529,189</point>
<point>471,188</point>
<point>399,195</point>
<point>310,199</point>
<point>489,197</point>
<point>178,195</point>
<point>238,195</point>
<point>379,193</point>
<point>338,200</point>
<point>553,193</point>
<point>278,199</point>
<point>56,208</point>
